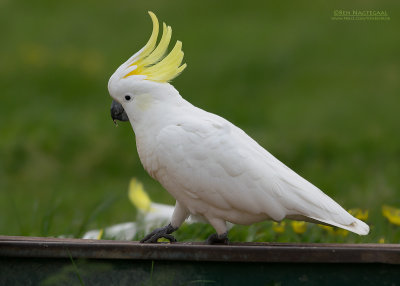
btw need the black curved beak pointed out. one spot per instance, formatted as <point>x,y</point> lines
<point>118,112</point>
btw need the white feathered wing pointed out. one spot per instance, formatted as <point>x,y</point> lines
<point>217,171</point>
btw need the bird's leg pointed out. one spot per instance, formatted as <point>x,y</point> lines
<point>218,238</point>
<point>164,232</point>
<point>221,237</point>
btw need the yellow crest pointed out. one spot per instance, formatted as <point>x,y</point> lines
<point>152,60</point>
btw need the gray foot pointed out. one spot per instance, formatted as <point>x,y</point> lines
<point>218,239</point>
<point>159,233</point>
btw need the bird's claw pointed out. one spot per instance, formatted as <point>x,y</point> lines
<point>218,238</point>
<point>163,232</point>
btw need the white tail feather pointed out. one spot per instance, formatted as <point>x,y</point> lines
<point>357,226</point>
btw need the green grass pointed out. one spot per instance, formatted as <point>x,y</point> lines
<point>322,96</point>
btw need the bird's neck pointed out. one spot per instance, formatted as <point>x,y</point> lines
<point>156,111</point>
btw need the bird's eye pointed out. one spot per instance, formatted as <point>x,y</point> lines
<point>127,97</point>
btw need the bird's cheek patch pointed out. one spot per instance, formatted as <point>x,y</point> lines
<point>144,101</point>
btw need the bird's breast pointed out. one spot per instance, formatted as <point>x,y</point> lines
<point>148,155</point>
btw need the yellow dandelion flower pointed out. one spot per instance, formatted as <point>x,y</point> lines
<point>359,213</point>
<point>279,227</point>
<point>299,227</point>
<point>392,214</point>
<point>381,240</point>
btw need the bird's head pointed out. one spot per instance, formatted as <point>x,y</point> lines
<point>145,76</point>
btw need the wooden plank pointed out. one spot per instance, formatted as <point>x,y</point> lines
<point>39,247</point>
<point>57,261</point>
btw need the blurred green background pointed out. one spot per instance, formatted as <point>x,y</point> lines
<point>323,96</point>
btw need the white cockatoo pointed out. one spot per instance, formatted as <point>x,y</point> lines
<point>212,168</point>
